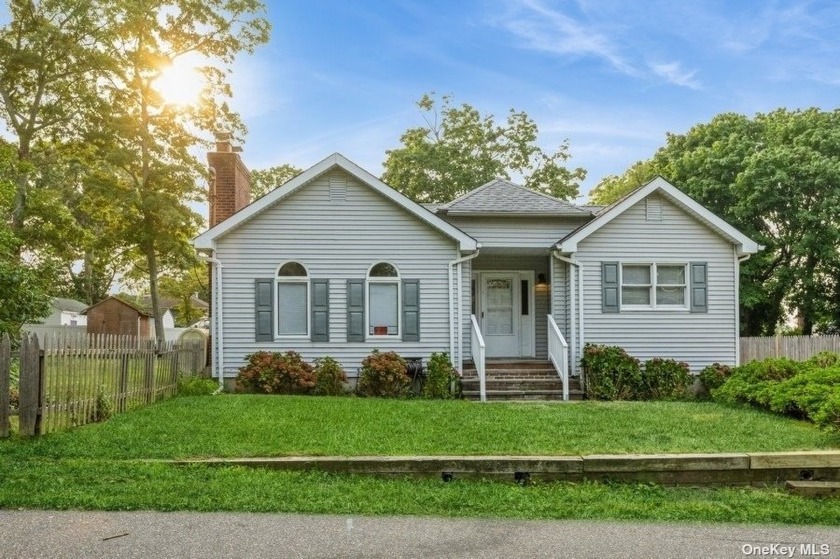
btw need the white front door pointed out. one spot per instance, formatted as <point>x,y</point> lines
<point>500,311</point>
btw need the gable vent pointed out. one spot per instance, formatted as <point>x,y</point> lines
<point>338,187</point>
<point>653,209</point>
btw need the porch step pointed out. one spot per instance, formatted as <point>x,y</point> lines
<point>519,380</point>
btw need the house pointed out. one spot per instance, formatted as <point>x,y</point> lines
<point>171,305</point>
<point>119,316</point>
<point>335,262</point>
<point>66,312</point>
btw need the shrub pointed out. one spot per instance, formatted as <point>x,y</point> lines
<point>439,377</point>
<point>384,374</point>
<point>14,397</point>
<point>276,373</point>
<point>828,415</point>
<point>329,377</point>
<point>714,376</point>
<point>747,383</point>
<point>196,386</point>
<point>665,379</point>
<point>610,373</point>
<point>825,359</point>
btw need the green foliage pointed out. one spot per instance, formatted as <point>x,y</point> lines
<point>665,379</point>
<point>828,415</point>
<point>264,181</point>
<point>439,377</point>
<point>194,385</point>
<point>82,413</point>
<point>23,297</point>
<point>746,384</point>
<point>14,397</point>
<point>276,373</point>
<point>460,149</point>
<point>760,174</point>
<point>385,375</point>
<point>330,378</point>
<point>825,359</point>
<point>610,373</point>
<point>714,376</point>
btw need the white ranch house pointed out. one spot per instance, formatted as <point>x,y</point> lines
<point>335,262</point>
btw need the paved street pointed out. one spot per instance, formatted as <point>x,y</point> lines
<point>29,534</point>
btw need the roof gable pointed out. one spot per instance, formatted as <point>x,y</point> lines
<point>336,160</point>
<point>744,244</point>
<point>502,197</point>
<point>68,305</point>
<point>120,300</point>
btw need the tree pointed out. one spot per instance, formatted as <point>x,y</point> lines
<point>458,149</point>
<point>183,284</point>
<point>776,177</point>
<point>264,181</point>
<point>145,141</point>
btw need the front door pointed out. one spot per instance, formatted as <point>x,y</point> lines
<point>500,322</point>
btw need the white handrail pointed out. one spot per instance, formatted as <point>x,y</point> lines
<point>477,348</point>
<point>558,354</point>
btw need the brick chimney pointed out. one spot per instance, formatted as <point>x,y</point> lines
<point>230,181</point>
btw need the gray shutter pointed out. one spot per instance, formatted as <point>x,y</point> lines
<point>320,289</point>
<point>610,289</point>
<point>355,310</point>
<point>264,309</point>
<point>411,311</point>
<point>699,287</point>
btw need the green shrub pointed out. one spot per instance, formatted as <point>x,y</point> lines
<point>439,378</point>
<point>828,415</point>
<point>665,379</point>
<point>14,397</point>
<point>196,386</point>
<point>825,359</point>
<point>276,373</point>
<point>610,373</point>
<point>329,377</point>
<point>803,395</point>
<point>747,383</point>
<point>714,376</point>
<point>384,374</point>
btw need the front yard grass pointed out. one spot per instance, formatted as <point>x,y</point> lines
<point>96,467</point>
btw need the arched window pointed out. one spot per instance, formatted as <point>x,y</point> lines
<point>292,300</point>
<point>383,287</point>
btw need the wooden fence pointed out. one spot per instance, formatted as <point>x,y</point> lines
<point>62,382</point>
<point>798,348</point>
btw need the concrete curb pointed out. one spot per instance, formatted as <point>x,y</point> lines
<point>760,468</point>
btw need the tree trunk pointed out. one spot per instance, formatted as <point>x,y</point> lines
<point>151,261</point>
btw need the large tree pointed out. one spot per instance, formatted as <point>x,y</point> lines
<point>459,149</point>
<point>145,140</point>
<point>776,177</point>
<point>264,181</point>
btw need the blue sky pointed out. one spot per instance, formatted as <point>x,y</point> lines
<point>611,76</point>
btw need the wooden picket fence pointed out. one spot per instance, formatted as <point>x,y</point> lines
<point>798,348</point>
<point>65,382</point>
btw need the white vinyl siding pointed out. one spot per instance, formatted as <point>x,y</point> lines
<point>337,240</point>
<point>700,339</point>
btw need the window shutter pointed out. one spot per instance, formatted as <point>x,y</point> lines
<point>320,289</point>
<point>699,287</point>
<point>411,311</point>
<point>264,309</point>
<point>610,299</point>
<point>355,310</point>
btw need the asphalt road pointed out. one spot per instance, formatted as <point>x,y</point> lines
<point>30,534</point>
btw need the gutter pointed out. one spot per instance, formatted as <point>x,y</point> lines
<point>458,314</point>
<point>577,343</point>
<point>216,330</point>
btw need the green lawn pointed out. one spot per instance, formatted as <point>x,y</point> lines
<point>93,467</point>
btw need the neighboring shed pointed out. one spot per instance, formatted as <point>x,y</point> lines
<point>117,316</point>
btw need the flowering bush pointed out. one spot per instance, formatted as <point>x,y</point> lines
<point>384,374</point>
<point>276,373</point>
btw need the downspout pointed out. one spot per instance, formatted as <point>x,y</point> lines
<point>216,330</point>
<point>739,260</point>
<point>458,314</point>
<point>577,340</point>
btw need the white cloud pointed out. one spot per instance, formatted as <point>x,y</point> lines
<point>674,73</point>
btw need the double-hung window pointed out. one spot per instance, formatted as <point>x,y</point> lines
<point>383,286</point>
<point>653,286</point>
<point>292,300</point>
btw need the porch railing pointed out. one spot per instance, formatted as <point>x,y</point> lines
<point>558,354</point>
<point>477,349</point>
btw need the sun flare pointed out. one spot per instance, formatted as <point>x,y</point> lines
<point>180,83</point>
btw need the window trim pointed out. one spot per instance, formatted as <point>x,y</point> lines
<point>278,280</point>
<point>652,286</point>
<point>396,280</point>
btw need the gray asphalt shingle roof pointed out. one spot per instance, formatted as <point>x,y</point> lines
<point>69,305</point>
<point>503,197</point>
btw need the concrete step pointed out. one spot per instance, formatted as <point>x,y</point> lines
<point>814,488</point>
<point>515,384</point>
<point>526,395</point>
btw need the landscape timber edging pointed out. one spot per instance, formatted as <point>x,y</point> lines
<point>760,468</point>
